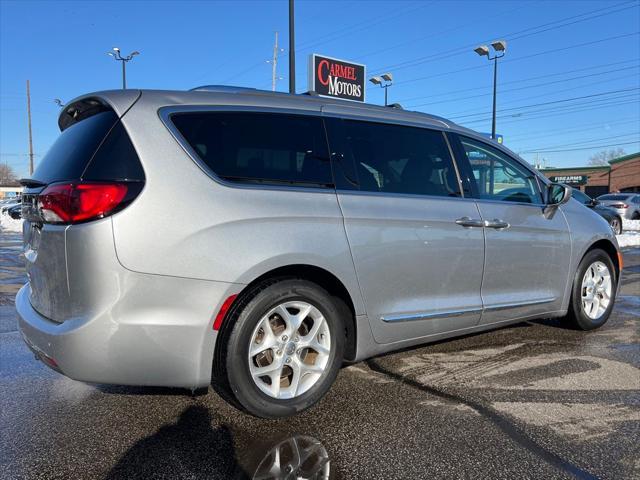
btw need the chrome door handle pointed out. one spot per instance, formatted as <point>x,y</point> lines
<point>469,222</point>
<point>497,224</point>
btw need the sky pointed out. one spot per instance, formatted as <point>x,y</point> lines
<point>568,85</point>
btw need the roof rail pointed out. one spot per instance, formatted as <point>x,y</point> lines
<point>396,105</point>
<point>222,88</point>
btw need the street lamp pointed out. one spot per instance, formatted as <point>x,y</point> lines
<point>500,47</point>
<point>385,77</point>
<point>124,60</point>
<point>58,102</point>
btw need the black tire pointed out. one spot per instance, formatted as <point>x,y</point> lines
<point>262,299</point>
<point>576,317</point>
<point>616,225</point>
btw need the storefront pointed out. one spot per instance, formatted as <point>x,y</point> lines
<point>621,175</point>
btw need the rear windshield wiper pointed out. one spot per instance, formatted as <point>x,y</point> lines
<point>31,183</point>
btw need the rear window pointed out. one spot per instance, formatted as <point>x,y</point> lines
<point>613,197</point>
<point>265,148</point>
<point>97,148</point>
<point>70,153</point>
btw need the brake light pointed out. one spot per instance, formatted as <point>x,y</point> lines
<point>79,202</point>
<point>624,205</point>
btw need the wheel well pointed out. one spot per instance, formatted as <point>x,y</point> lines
<point>611,250</point>
<point>317,275</point>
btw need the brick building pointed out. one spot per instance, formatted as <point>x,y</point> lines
<point>621,175</point>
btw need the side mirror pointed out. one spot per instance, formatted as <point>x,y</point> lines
<point>557,194</point>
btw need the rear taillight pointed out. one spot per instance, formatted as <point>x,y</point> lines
<point>80,202</point>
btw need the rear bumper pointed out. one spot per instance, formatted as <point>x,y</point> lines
<point>158,333</point>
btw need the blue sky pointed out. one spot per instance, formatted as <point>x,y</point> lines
<point>569,85</point>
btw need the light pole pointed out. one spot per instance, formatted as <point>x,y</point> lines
<point>124,60</point>
<point>500,47</point>
<point>385,77</point>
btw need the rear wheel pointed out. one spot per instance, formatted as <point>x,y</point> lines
<point>285,348</point>
<point>593,292</point>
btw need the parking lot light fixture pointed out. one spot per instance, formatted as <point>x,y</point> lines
<point>500,48</point>
<point>385,81</point>
<point>117,56</point>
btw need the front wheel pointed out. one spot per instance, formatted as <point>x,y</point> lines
<point>593,292</point>
<point>285,348</point>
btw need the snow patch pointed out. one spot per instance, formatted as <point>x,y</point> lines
<point>630,236</point>
<point>8,224</point>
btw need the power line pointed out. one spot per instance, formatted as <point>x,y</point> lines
<point>544,84</point>
<point>584,148</point>
<point>547,113</point>
<point>510,36</point>
<point>537,77</point>
<point>553,51</point>
<point>575,128</point>
<point>585,142</point>
<point>552,102</point>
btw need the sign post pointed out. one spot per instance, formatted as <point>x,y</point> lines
<point>330,77</point>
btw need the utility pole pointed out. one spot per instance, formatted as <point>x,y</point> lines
<point>292,50</point>
<point>274,63</point>
<point>30,133</point>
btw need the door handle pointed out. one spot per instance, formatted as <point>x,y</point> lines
<point>497,224</point>
<point>469,222</point>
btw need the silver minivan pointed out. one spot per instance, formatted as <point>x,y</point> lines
<point>261,240</point>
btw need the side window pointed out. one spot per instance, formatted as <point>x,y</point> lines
<point>499,177</point>
<point>398,159</point>
<point>265,148</point>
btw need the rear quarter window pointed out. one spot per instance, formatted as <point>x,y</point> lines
<point>96,148</point>
<point>263,148</point>
<point>68,157</point>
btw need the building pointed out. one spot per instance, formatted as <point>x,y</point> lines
<point>9,191</point>
<point>621,175</point>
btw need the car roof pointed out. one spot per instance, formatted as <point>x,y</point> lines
<point>122,100</point>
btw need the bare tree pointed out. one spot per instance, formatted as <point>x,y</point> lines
<point>7,175</point>
<point>603,157</point>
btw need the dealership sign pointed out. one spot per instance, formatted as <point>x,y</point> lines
<point>330,77</point>
<point>570,179</point>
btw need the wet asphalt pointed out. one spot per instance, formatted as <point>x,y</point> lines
<point>534,400</point>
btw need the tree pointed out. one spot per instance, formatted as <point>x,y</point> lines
<point>603,157</point>
<point>7,175</point>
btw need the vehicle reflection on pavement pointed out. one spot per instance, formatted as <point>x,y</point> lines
<point>297,457</point>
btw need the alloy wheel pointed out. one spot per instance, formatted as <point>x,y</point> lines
<point>596,290</point>
<point>289,349</point>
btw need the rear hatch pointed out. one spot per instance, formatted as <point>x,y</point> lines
<point>91,171</point>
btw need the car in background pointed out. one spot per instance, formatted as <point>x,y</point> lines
<point>627,205</point>
<point>15,212</point>
<point>609,214</point>
<point>6,205</point>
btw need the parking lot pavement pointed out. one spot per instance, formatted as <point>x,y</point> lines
<point>532,400</point>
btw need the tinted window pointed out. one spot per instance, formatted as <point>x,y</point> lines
<point>69,155</point>
<point>259,147</point>
<point>499,177</point>
<point>398,159</point>
<point>116,159</point>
